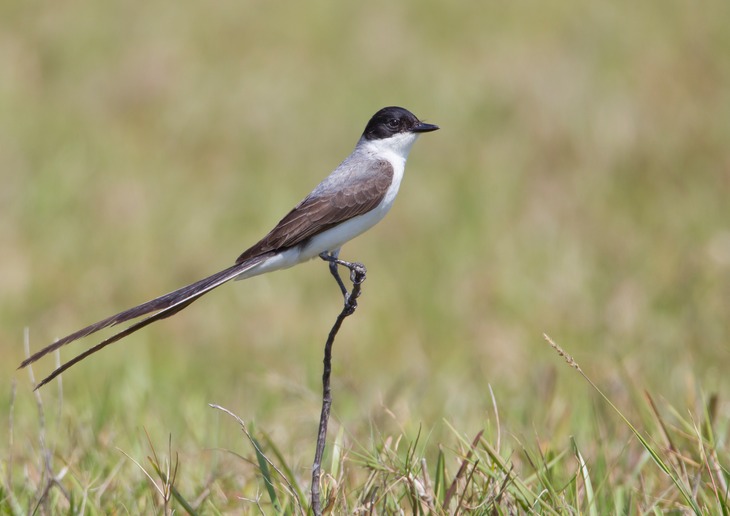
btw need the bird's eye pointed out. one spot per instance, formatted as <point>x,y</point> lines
<point>393,123</point>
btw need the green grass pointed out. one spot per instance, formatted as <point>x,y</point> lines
<point>579,187</point>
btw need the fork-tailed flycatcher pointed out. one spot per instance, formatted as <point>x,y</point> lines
<point>351,200</point>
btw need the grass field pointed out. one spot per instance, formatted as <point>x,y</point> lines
<point>579,188</point>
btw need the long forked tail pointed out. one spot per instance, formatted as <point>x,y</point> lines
<point>164,306</point>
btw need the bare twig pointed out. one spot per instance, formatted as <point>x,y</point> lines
<point>357,276</point>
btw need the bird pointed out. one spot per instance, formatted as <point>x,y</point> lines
<point>350,200</point>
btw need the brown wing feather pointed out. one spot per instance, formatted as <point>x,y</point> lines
<point>318,213</point>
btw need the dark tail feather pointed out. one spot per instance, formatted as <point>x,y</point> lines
<point>167,312</point>
<point>166,306</point>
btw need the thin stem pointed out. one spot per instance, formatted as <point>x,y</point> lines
<point>357,276</point>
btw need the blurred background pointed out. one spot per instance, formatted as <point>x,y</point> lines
<point>578,187</point>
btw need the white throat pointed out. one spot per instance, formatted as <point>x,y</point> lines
<point>395,149</point>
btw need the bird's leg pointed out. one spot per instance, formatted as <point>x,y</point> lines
<point>334,261</point>
<point>357,274</point>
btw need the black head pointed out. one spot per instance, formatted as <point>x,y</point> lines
<point>393,120</point>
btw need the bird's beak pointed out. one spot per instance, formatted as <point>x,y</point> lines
<point>423,127</point>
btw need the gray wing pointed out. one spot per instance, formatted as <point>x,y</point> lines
<point>320,211</point>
